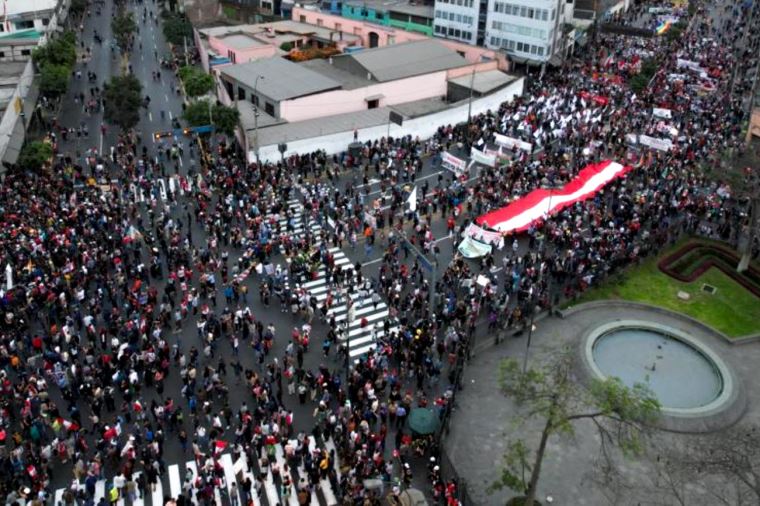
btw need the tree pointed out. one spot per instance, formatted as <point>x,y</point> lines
<point>123,97</point>
<point>123,26</point>
<point>54,80</point>
<point>59,51</point>
<point>224,119</point>
<point>176,28</point>
<point>78,6</point>
<point>34,155</point>
<point>620,414</point>
<point>195,81</point>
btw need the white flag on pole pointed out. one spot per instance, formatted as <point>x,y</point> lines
<point>412,200</point>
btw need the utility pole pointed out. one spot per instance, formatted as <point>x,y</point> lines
<point>431,267</point>
<point>256,120</point>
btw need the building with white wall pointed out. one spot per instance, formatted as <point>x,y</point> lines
<point>527,30</point>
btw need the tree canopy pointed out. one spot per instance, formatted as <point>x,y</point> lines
<point>551,393</point>
<point>123,26</point>
<point>123,97</point>
<point>54,80</point>
<point>176,28</point>
<point>55,61</point>
<point>59,51</point>
<point>195,81</point>
<point>34,155</point>
<point>224,119</point>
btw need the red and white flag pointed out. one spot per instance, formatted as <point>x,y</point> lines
<point>520,214</point>
<point>219,446</point>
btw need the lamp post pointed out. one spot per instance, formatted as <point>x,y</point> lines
<point>256,120</point>
<point>530,290</point>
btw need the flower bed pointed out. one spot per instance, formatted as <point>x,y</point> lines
<point>695,258</point>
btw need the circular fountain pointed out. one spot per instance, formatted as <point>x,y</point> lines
<point>692,383</point>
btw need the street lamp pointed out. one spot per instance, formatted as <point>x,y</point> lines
<point>540,277</point>
<point>256,120</point>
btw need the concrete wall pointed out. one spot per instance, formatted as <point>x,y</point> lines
<point>343,101</point>
<point>423,127</point>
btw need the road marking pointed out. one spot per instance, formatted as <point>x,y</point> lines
<point>180,162</point>
<point>167,97</point>
<point>171,118</point>
<point>150,116</point>
<point>372,261</point>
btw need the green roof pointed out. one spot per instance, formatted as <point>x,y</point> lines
<point>31,33</point>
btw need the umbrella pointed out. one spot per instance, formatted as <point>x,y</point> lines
<point>423,421</point>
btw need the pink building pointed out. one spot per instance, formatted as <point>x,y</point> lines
<point>367,79</point>
<point>225,45</point>
<point>373,35</point>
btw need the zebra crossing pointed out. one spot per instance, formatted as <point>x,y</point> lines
<point>293,222</point>
<point>158,189</point>
<point>363,322</point>
<point>178,480</point>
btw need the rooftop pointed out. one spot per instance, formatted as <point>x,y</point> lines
<point>19,7</point>
<point>241,41</point>
<point>347,80</point>
<point>277,32</point>
<point>281,79</point>
<point>404,6</point>
<point>399,61</point>
<point>484,82</point>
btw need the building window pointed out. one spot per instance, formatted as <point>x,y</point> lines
<point>373,104</point>
<point>540,50</point>
<point>319,22</point>
<point>302,19</point>
<point>338,27</point>
<point>241,93</point>
<point>45,21</point>
<point>391,39</point>
<point>26,52</point>
<point>269,108</point>
<point>23,25</point>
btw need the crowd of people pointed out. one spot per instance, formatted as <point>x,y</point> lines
<point>128,325</point>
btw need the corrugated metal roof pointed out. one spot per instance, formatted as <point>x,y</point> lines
<point>484,82</point>
<point>281,79</point>
<point>399,61</point>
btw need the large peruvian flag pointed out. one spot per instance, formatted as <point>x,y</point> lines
<point>520,214</point>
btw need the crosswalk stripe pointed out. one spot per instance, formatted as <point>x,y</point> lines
<point>279,454</point>
<point>100,490</point>
<point>139,494</point>
<point>58,498</point>
<point>229,475</point>
<point>157,495</point>
<point>194,469</point>
<point>175,484</point>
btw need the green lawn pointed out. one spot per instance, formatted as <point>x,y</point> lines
<point>732,310</point>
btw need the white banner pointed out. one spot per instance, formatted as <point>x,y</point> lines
<point>688,64</point>
<point>481,157</point>
<point>662,113</point>
<point>655,143</point>
<point>470,248</point>
<point>453,163</point>
<point>511,142</point>
<point>484,236</point>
